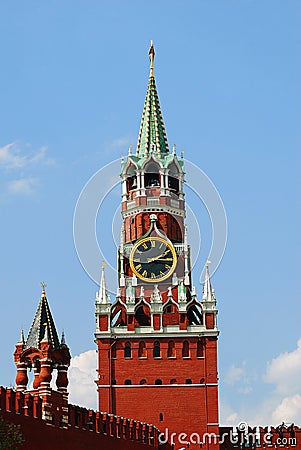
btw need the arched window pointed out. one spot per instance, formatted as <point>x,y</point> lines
<point>194,315</point>
<point>158,381</point>
<point>171,350</point>
<point>127,381</point>
<point>142,350</point>
<point>188,381</point>
<point>142,316</point>
<point>127,350</point>
<point>161,417</point>
<point>185,349</point>
<point>157,350</point>
<point>200,349</point>
<point>118,315</point>
<point>173,381</point>
<point>143,381</point>
<point>151,176</point>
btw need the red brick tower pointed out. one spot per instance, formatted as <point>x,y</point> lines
<point>42,352</point>
<point>157,343</point>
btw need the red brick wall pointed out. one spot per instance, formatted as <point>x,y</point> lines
<point>181,407</point>
<point>86,429</point>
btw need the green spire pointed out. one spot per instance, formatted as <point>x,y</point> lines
<point>152,135</point>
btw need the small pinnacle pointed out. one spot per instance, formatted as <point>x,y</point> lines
<point>174,149</point>
<point>182,154</point>
<point>104,264</point>
<point>130,149</point>
<point>43,286</point>
<point>63,341</point>
<point>151,54</point>
<point>22,340</point>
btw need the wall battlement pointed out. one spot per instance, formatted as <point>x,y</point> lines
<point>130,433</point>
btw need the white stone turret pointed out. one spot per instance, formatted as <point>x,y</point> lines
<point>209,301</point>
<point>102,296</point>
<point>102,301</point>
<point>208,292</point>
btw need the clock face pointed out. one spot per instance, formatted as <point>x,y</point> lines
<point>153,259</point>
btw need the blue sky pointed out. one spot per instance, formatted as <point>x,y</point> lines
<point>73,80</point>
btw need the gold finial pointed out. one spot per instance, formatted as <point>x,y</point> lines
<point>151,54</point>
<point>207,263</point>
<point>104,264</point>
<point>43,285</point>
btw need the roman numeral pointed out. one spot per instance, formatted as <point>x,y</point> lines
<point>153,275</point>
<point>153,243</point>
<point>144,245</point>
<point>144,273</point>
<point>138,267</point>
<point>167,266</point>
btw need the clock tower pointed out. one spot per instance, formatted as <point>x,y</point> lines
<point>157,342</point>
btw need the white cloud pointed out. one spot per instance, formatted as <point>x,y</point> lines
<point>282,404</point>
<point>234,374</point>
<point>228,417</point>
<point>10,157</point>
<point>14,156</point>
<point>21,161</point>
<point>285,372</point>
<point>22,186</point>
<point>289,410</point>
<point>82,374</point>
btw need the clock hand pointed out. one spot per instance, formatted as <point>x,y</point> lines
<point>157,257</point>
<point>164,259</point>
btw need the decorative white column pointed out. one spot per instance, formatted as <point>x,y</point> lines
<point>181,193</point>
<point>162,182</point>
<point>124,190</point>
<point>138,176</point>
<point>121,257</point>
<point>186,271</point>
<point>142,183</point>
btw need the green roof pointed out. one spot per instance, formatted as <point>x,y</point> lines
<point>152,136</point>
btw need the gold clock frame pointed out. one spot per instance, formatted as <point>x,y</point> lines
<point>159,239</point>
